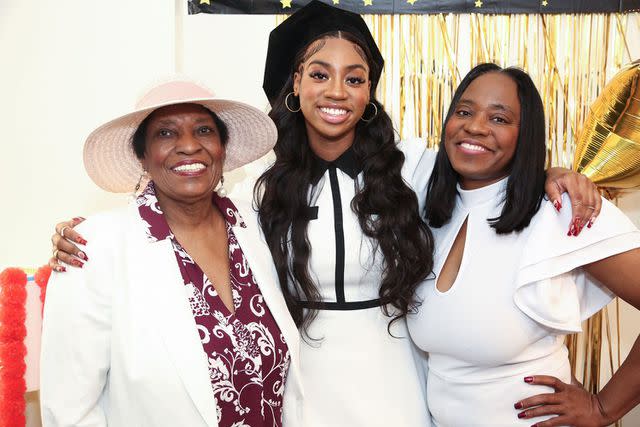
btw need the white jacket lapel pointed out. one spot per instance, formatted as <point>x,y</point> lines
<point>259,257</point>
<point>172,314</point>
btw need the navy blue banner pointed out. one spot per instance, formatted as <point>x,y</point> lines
<point>418,6</point>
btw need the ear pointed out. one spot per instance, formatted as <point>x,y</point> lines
<point>297,76</point>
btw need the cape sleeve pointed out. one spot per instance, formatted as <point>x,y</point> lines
<point>418,165</point>
<point>551,288</point>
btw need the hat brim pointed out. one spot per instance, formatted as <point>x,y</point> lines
<point>111,163</point>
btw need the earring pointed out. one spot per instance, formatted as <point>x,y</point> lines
<point>374,114</point>
<point>286,103</point>
<point>143,176</point>
<point>221,191</point>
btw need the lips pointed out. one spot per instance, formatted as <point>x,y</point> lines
<point>334,115</point>
<point>189,168</point>
<point>472,147</point>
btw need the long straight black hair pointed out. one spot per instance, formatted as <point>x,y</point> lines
<point>525,186</point>
<point>386,207</point>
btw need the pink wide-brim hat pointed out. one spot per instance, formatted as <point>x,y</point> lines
<point>109,158</point>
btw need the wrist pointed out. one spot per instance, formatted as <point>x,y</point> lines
<point>605,417</point>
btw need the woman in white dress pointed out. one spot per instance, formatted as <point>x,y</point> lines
<point>507,285</point>
<point>342,222</point>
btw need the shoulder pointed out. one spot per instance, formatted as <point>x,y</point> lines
<point>110,226</point>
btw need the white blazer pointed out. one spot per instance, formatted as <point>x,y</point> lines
<point>119,343</point>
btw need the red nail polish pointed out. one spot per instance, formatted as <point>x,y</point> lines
<point>557,205</point>
<point>78,218</point>
<point>522,415</point>
<point>528,379</point>
<point>81,241</point>
<point>571,230</point>
<point>62,269</point>
<point>518,405</point>
<point>77,263</point>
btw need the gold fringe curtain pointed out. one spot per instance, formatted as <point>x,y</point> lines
<point>569,57</point>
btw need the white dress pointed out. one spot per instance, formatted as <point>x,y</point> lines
<point>355,374</point>
<point>514,298</point>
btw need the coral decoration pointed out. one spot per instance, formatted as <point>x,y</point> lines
<point>13,296</point>
<point>41,279</point>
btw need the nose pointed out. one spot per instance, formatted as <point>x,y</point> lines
<point>478,125</point>
<point>336,89</point>
<point>187,143</point>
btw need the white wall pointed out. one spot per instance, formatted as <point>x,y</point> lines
<point>69,65</point>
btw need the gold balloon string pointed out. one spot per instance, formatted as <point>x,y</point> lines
<point>621,33</point>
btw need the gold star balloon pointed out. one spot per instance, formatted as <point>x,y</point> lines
<point>608,147</point>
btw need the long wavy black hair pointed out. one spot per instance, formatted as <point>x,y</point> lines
<point>525,185</point>
<point>386,207</point>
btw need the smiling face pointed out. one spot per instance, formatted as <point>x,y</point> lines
<point>333,87</point>
<point>183,153</point>
<point>482,133</point>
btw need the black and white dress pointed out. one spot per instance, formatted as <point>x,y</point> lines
<point>355,373</point>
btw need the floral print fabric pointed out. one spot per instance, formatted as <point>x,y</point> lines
<point>248,356</point>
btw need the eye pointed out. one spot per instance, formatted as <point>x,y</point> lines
<point>317,75</point>
<point>499,119</point>
<point>355,81</point>
<point>205,130</point>
<point>462,113</point>
<point>165,133</point>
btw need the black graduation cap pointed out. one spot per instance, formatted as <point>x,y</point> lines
<point>304,26</point>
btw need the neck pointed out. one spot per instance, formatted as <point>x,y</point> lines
<point>474,184</point>
<point>331,149</point>
<point>188,215</point>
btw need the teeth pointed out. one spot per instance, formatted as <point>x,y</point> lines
<point>190,167</point>
<point>334,111</point>
<point>472,147</point>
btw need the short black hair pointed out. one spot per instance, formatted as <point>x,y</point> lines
<point>525,186</point>
<point>138,141</point>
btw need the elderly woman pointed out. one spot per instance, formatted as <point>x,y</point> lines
<point>178,319</point>
<point>508,286</point>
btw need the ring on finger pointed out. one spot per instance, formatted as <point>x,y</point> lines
<point>55,253</point>
<point>62,230</point>
<point>577,203</point>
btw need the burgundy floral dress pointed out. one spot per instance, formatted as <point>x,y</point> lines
<point>248,356</point>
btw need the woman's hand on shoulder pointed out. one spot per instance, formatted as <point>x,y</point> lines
<point>585,197</point>
<point>573,405</point>
<point>64,242</point>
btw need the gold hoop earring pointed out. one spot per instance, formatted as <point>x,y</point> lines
<point>286,103</point>
<point>374,114</point>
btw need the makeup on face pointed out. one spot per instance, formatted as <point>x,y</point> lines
<point>482,133</point>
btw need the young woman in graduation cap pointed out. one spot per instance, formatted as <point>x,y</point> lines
<point>340,215</point>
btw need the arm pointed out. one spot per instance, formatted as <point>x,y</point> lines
<point>574,405</point>
<point>75,351</point>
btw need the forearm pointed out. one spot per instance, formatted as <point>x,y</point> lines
<point>622,392</point>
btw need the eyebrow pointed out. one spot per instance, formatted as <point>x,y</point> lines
<point>348,67</point>
<point>170,121</point>
<point>493,106</point>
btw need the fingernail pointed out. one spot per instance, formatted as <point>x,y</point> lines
<point>60,269</point>
<point>78,218</point>
<point>77,263</point>
<point>518,405</point>
<point>592,220</point>
<point>81,241</point>
<point>557,205</point>
<point>522,414</point>
<point>528,379</point>
<point>571,229</point>
<point>82,255</point>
